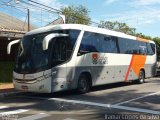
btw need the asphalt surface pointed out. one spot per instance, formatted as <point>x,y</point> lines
<point>128,101</point>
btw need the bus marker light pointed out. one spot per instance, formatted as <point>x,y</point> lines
<point>69,81</point>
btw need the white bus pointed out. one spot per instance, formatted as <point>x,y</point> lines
<point>72,56</point>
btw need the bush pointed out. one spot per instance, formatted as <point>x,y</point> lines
<point>6,70</point>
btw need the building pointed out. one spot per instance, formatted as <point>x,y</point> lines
<point>11,28</point>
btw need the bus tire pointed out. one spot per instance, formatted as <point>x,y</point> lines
<point>141,77</point>
<point>83,84</point>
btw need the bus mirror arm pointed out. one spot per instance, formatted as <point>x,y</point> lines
<point>49,37</point>
<point>10,45</point>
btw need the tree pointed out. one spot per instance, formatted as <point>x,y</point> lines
<point>143,36</point>
<point>117,26</point>
<point>76,15</point>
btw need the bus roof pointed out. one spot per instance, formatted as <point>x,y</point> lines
<point>85,28</point>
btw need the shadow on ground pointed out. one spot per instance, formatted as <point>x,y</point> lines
<point>33,101</point>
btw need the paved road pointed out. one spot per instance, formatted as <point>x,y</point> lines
<point>114,101</point>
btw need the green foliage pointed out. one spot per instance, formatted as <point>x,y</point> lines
<point>143,36</point>
<point>76,15</point>
<point>6,70</point>
<point>117,26</point>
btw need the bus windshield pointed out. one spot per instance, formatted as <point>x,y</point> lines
<point>32,58</point>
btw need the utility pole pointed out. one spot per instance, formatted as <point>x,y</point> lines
<point>28,20</point>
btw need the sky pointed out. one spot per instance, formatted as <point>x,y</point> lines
<point>144,15</point>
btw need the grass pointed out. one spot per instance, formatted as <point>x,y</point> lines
<point>6,70</point>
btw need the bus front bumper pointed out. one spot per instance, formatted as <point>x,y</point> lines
<point>42,86</point>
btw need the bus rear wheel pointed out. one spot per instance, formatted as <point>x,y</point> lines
<point>83,84</point>
<point>141,78</point>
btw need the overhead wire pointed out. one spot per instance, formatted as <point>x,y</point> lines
<point>15,6</point>
<point>30,7</point>
<point>17,10</point>
<point>59,11</point>
<point>32,4</point>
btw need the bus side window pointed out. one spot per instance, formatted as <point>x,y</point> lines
<point>110,44</point>
<point>153,46</point>
<point>123,46</point>
<point>71,41</point>
<point>95,42</point>
<point>87,44</point>
<point>142,48</point>
<point>150,49</point>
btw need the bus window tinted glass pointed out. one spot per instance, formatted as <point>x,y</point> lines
<point>153,46</point>
<point>94,42</point>
<point>128,46</point>
<point>142,48</point>
<point>122,45</point>
<point>90,43</point>
<point>150,49</point>
<point>110,44</point>
<point>62,47</point>
<point>73,35</point>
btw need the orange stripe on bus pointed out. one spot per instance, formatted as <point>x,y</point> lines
<point>142,39</point>
<point>137,62</point>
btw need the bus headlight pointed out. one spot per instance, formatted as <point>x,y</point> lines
<point>40,78</point>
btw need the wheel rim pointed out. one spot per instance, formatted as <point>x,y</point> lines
<point>83,84</point>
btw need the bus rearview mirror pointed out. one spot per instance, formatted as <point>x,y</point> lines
<point>49,37</point>
<point>10,45</point>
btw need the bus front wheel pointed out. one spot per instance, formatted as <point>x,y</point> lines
<point>141,78</point>
<point>83,84</point>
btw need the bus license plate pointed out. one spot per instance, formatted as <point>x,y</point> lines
<point>24,87</point>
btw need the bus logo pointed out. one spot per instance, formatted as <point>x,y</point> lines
<point>95,58</point>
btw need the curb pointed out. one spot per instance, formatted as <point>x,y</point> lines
<point>6,94</point>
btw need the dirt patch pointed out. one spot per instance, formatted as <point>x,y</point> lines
<point>6,86</point>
